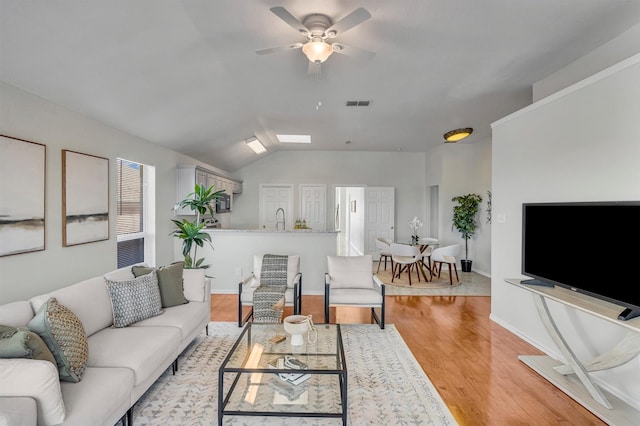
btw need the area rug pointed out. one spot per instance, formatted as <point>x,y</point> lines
<point>471,284</point>
<point>386,385</point>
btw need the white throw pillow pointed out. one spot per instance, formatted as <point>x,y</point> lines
<point>350,271</point>
<point>293,267</point>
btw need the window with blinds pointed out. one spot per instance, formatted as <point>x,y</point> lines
<point>130,213</point>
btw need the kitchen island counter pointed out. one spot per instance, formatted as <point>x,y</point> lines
<point>233,249</point>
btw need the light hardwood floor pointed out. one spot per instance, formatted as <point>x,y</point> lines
<point>472,361</point>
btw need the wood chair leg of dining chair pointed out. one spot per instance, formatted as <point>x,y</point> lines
<point>379,262</point>
<point>393,273</point>
<point>450,276</point>
<point>409,272</point>
<point>456,268</point>
<point>439,266</point>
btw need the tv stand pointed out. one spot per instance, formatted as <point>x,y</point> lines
<point>573,378</point>
<point>537,282</point>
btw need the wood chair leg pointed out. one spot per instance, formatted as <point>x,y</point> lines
<point>439,265</point>
<point>393,273</point>
<point>450,277</point>
<point>379,262</point>
<point>456,268</point>
<point>409,272</point>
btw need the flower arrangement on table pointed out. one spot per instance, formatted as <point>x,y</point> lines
<point>414,224</point>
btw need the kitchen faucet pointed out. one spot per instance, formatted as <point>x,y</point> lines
<point>278,222</point>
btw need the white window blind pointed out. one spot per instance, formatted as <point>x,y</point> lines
<point>130,213</point>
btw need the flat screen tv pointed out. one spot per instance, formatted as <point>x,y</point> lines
<point>587,247</point>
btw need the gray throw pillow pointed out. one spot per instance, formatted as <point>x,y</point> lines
<point>134,300</point>
<point>64,335</point>
<point>169,282</point>
<point>22,343</point>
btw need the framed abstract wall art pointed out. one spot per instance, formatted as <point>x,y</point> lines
<point>85,198</point>
<point>22,196</point>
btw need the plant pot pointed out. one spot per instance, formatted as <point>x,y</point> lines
<point>193,284</point>
<point>466,265</point>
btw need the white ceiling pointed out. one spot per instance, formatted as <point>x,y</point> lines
<point>184,74</point>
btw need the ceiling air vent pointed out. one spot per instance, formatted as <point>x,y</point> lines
<point>358,103</point>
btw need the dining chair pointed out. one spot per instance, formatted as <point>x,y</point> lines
<point>292,295</point>
<point>384,251</point>
<point>405,256</point>
<point>349,281</point>
<point>446,255</point>
<point>427,244</point>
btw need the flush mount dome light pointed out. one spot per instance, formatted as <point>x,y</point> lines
<point>457,134</point>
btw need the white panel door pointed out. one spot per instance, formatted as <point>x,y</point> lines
<point>272,198</point>
<point>379,216</point>
<point>313,205</point>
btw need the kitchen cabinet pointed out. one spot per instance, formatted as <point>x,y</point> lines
<point>188,176</point>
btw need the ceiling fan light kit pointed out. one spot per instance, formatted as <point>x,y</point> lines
<point>457,134</point>
<point>256,145</point>
<point>317,50</point>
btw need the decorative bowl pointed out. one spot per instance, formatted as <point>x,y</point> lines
<point>296,326</point>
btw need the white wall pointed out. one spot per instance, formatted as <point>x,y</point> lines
<point>25,116</point>
<point>402,170</point>
<point>460,169</point>
<point>582,144</point>
<point>623,46</point>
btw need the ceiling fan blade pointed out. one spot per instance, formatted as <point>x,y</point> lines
<point>279,49</point>
<point>287,17</point>
<point>356,17</point>
<point>354,52</point>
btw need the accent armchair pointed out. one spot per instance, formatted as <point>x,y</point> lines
<point>350,282</point>
<point>293,293</point>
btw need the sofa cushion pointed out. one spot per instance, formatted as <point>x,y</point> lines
<point>293,267</point>
<point>22,343</point>
<point>16,314</point>
<point>101,398</point>
<point>350,271</point>
<point>36,379</point>
<point>134,300</point>
<point>87,299</point>
<point>64,335</point>
<point>185,317</point>
<point>169,282</point>
<point>141,349</point>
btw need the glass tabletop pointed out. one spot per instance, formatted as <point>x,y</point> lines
<point>262,377</point>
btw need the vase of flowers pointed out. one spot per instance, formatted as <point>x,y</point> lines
<point>415,224</point>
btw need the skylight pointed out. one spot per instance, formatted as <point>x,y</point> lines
<point>294,138</point>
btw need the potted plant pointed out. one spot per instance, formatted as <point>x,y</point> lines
<point>201,200</point>
<point>464,220</point>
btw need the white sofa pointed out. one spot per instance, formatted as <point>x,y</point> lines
<point>122,364</point>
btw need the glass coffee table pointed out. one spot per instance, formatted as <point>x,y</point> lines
<point>262,378</point>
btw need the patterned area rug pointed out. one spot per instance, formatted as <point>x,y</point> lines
<point>471,284</point>
<point>386,385</point>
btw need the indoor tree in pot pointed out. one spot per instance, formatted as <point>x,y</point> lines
<point>201,200</point>
<point>464,220</point>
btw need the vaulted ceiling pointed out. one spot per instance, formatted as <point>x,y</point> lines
<point>185,75</point>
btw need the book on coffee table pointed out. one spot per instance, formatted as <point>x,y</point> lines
<point>289,362</point>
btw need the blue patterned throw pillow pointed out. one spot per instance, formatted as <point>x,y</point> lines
<point>134,300</point>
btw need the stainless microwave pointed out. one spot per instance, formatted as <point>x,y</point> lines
<point>223,204</point>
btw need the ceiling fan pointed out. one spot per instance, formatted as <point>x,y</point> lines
<point>317,29</point>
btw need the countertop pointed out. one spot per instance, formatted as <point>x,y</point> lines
<point>269,231</point>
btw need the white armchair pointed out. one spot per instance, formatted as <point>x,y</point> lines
<point>350,282</point>
<point>293,293</point>
<point>446,255</point>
